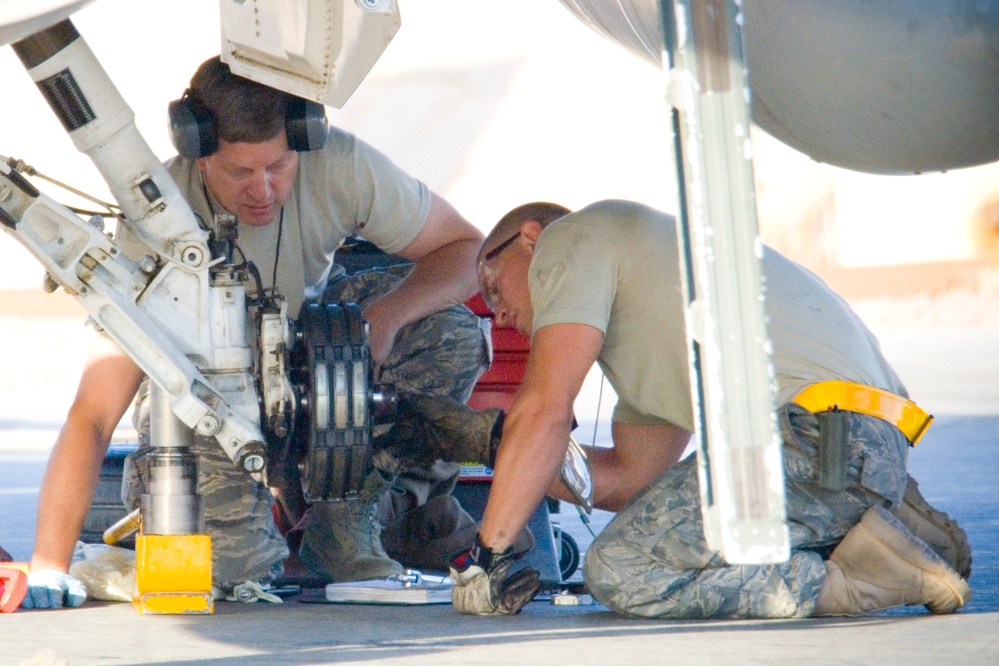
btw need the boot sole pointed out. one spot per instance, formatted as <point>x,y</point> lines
<point>960,558</point>
<point>890,531</point>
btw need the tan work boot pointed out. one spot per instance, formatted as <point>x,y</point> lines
<point>342,540</point>
<point>879,564</point>
<point>936,528</point>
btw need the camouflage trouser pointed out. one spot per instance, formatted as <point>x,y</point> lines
<point>441,354</point>
<point>652,560</point>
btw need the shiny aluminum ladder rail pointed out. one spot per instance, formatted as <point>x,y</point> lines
<point>732,380</point>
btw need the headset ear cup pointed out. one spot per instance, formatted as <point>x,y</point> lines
<point>192,128</point>
<point>306,125</point>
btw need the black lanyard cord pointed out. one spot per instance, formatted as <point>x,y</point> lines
<point>277,249</point>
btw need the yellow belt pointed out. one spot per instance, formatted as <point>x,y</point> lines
<point>902,413</point>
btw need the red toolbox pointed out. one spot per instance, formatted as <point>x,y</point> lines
<point>497,385</point>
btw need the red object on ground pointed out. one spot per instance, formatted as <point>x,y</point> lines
<point>13,585</point>
<point>497,385</point>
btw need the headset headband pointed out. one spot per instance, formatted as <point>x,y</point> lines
<point>194,132</point>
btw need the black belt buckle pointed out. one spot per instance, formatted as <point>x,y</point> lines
<point>834,448</point>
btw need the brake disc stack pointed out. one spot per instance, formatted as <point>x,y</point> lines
<point>331,369</point>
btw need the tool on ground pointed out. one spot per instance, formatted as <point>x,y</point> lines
<point>13,585</point>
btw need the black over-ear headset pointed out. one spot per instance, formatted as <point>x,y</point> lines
<point>194,133</point>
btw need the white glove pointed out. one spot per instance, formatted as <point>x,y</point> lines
<point>482,586</point>
<point>51,588</point>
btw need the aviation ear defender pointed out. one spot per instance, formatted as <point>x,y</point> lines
<point>194,133</point>
<point>192,127</point>
<point>305,124</point>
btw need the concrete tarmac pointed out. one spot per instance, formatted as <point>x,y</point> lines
<point>300,633</point>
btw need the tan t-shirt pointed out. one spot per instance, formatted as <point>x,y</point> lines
<point>614,265</point>
<point>346,188</point>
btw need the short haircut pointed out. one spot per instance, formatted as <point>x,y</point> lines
<point>542,212</point>
<point>244,110</point>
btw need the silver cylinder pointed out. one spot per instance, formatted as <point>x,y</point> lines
<point>166,431</point>
<point>173,504</point>
<point>173,514</point>
<point>102,126</point>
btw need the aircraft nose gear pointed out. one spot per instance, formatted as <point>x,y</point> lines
<point>337,404</point>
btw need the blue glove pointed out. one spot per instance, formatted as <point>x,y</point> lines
<point>482,586</point>
<point>51,588</point>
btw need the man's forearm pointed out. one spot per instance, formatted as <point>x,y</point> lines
<point>440,279</point>
<point>527,463</point>
<point>536,429</point>
<point>66,495</point>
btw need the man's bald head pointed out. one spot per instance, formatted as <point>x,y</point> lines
<point>542,212</point>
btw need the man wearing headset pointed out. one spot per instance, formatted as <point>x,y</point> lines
<point>298,189</point>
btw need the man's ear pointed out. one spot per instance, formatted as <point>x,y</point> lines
<point>530,230</point>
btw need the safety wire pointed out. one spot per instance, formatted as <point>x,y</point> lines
<point>23,167</point>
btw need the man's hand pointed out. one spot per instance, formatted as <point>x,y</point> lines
<point>481,584</point>
<point>430,428</point>
<point>51,588</point>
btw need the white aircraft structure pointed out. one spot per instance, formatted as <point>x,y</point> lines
<point>895,86</point>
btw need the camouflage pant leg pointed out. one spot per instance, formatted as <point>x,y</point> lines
<point>876,474</point>
<point>652,559</point>
<point>442,354</point>
<point>246,544</point>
